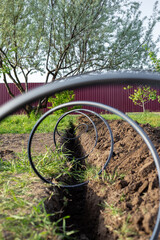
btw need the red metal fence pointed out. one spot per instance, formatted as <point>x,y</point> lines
<point>5,97</point>
<point>111,95</point>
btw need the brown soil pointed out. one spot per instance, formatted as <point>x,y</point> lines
<point>121,206</point>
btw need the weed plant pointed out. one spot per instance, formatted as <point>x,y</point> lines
<point>126,230</point>
<point>88,172</point>
<point>112,209</point>
<point>91,173</point>
<point>62,169</point>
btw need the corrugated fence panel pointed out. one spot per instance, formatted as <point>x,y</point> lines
<point>114,96</point>
<point>111,95</point>
<point>4,95</point>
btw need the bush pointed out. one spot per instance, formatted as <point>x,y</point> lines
<point>60,98</point>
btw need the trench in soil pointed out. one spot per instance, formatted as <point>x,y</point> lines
<point>83,210</point>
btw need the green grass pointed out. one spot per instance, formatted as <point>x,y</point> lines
<point>147,117</point>
<point>111,117</point>
<point>23,124</point>
<point>56,166</point>
<point>22,214</point>
<point>112,209</point>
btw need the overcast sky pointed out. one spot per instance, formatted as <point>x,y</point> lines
<point>147,6</point>
<point>147,10</point>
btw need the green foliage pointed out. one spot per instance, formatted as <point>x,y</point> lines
<point>5,67</point>
<point>155,61</point>
<point>33,116</point>
<point>153,57</point>
<point>60,98</point>
<point>112,177</point>
<point>125,229</point>
<point>88,172</point>
<point>128,87</point>
<point>62,38</point>
<point>55,165</point>
<point>142,95</point>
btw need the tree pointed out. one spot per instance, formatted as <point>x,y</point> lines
<point>20,42</point>
<point>60,38</point>
<point>142,95</point>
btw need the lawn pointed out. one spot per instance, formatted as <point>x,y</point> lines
<point>23,124</point>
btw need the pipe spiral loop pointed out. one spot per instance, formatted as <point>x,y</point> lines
<point>68,137</point>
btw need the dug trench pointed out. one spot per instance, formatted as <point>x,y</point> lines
<point>83,211</point>
<point>122,202</point>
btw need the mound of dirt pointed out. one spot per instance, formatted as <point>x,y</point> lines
<point>127,194</point>
<point>122,202</point>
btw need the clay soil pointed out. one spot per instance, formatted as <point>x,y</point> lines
<point>122,202</point>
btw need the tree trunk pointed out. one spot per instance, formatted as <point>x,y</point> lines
<point>143,107</point>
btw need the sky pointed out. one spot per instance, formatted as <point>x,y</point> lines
<point>147,6</point>
<point>146,9</point>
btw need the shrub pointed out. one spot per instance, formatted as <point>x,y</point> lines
<point>60,98</point>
